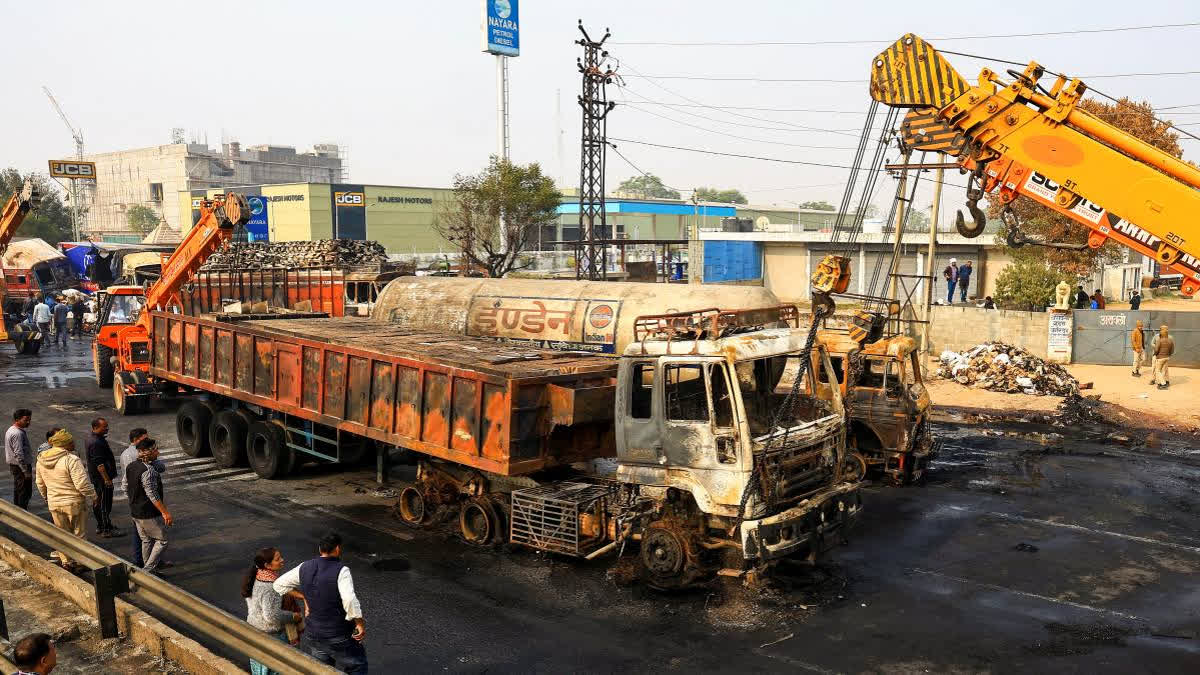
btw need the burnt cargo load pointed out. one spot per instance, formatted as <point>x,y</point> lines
<point>685,450</point>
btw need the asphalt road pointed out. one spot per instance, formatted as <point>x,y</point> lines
<point>1022,553</point>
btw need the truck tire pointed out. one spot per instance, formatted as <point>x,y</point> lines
<point>481,522</point>
<point>227,439</point>
<point>268,451</point>
<point>102,366</point>
<point>191,427</point>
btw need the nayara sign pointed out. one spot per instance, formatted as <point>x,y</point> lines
<point>501,32</point>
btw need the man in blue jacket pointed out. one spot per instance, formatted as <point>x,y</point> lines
<point>334,626</point>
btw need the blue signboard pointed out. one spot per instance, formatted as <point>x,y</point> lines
<point>501,34</point>
<point>258,226</point>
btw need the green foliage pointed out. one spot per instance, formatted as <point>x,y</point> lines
<point>51,221</point>
<point>141,218</point>
<point>818,206</point>
<point>918,221</point>
<point>1028,283</point>
<point>520,195</point>
<point>648,186</point>
<point>707,194</point>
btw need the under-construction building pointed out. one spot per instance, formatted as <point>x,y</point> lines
<point>156,176</point>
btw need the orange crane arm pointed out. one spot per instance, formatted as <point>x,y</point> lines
<point>1024,140</point>
<point>18,206</point>
<point>218,218</point>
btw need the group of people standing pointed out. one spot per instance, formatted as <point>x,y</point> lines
<point>313,606</point>
<point>1161,351</point>
<point>957,276</point>
<point>56,317</point>
<point>69,484</point>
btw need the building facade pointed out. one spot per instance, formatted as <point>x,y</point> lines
<point>156,177</point>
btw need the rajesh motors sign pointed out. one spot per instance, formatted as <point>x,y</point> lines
<point>61,168</point>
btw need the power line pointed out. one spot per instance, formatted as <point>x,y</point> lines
<point>861,80</point>
<point>743,138</point>
<point>938,39</point>
<point>647,101</point>
<point>794,127</point>
<point>730,154</point>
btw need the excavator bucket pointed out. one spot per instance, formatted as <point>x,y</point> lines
<point>912,74</point>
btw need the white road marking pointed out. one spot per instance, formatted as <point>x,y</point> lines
<point>1080,528</point>
<point>1027,594</point>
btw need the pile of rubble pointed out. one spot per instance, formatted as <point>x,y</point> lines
<point>293,254</point>
<point>1002,367</point>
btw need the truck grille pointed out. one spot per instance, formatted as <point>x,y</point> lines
<point>803,468</point>
<point>547,517</point>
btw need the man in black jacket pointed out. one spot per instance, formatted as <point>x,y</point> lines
<point>102,469</point>
<point>147,503</point>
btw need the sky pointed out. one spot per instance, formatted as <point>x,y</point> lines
<point>406,88</point>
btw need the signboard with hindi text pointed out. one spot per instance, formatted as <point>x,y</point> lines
<point>563,324</point>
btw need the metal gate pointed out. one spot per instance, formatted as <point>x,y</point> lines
<point>1102,336</point>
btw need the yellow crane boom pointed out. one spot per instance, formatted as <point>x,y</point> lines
<point>1022,139</point>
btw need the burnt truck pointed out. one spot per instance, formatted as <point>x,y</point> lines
<point>686,449</point>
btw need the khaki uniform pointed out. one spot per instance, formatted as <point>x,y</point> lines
<point>1163,348</point>
<point>1137,342</point>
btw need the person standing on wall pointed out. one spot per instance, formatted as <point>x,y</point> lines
<point>1082,301</point>
<point>19,455</point>
<point>964,279</point>
<point>1162,349</point>
<point>1135,301</point>
<point>1137,342</point>
<point>335,626</point>
<point>950,274</point>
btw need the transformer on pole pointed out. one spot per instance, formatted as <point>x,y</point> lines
<point>591,258</point>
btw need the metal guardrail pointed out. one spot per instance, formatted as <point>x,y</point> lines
<point>177,604</point>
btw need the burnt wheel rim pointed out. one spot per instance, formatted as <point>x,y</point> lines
<point>475,523</point>
<point>662,553</point>
<point>259,451</point>
<point>855,467</point>
<point>412,505</point>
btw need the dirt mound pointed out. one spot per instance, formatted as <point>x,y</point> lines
<point>998,366</point>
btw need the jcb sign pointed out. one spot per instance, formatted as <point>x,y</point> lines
<point>349,199</point>
<point>65,169</point>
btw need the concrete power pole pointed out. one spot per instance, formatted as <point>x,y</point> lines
<point>931,257</point>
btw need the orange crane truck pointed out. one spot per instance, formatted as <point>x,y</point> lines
<point>28,340</point>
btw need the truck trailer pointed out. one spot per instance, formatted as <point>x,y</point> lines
<point>685,449</point>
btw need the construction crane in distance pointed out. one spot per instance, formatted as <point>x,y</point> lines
<point>76,190</point>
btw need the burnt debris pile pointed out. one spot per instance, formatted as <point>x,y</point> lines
<point>335,253</point>
<point>997,366</point>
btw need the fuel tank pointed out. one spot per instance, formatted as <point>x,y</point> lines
<point>593,316</point>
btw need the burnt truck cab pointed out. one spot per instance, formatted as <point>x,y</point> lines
<point>751,467</point>
<point>881,385</point>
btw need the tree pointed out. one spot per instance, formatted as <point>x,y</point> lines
<point>918,221</point>
<point>705,194</point>
<point>142,218</point>
<point>1041,222</point>
<point>1027,283</point>
<point>520,194</point>
<point>818,206</point>
<point>51,221</point>
<point>648,186</point>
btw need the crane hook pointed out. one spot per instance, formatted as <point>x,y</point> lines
<point>974,194</point>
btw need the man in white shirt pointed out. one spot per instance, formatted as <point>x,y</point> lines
<point>334,623</point>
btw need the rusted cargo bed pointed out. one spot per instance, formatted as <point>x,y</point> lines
<point>505,409</point>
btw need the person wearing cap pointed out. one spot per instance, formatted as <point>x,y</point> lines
<point>63,482</point>
<point>950,274</point>
<point>1162,349</point>
<point>1137,342</point>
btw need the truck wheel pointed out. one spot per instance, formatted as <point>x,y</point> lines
<point>102,366</point>
<point>412,508</point>
<point>481,522</point>
<point>267,449</point>
<point>191,427</point>
<point>227,439</point>
<point>123,404</point>
<point>854,469</point>
<point>667,558</point>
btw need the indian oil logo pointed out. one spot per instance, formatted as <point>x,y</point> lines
<point>600,316</point>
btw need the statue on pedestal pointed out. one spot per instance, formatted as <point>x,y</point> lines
<point>1062,295</point>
